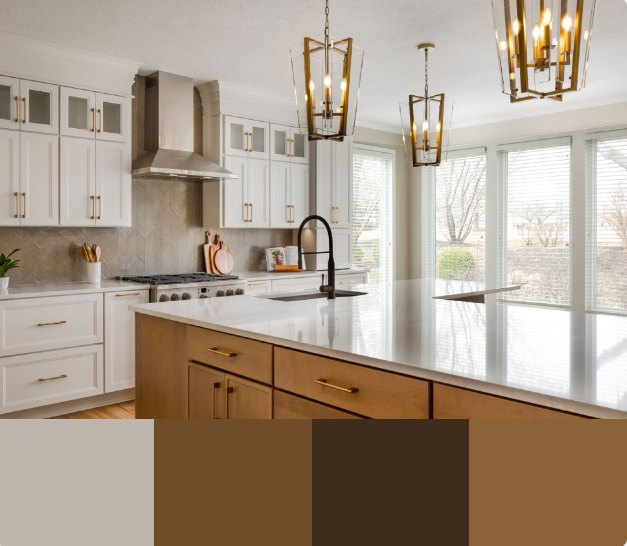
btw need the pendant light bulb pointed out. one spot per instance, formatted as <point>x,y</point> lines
<point>327,81</point>
<point>516,26</point>
<point>536,32</point>
<point>567,22</point>
<point>547,17</point>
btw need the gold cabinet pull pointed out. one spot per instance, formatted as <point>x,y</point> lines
<point>251,142</point>
<point>323,382</point>
<point>127,295</point>
<point>216,386</point>
<point>99,208</point>
<point>222,353</point>
<point>256,284</point>
<point>251,212</point>
<point>99,120</point>
<point>246,147</point>
<point>93,207</point>
<point>53,378</point>
<point>17,109</point>
<point>24,211</point>
<point>17,205</point>
<point>246,205</point>
<point>24,101</point>
<point>347,282</point>
<point>93,120</point>
<point>52,323</point>
<point>227,391</point>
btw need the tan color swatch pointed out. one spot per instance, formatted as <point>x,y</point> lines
<point>233,483</point>
<point>548,483</point>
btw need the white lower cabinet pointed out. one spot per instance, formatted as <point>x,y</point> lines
<point>296,285</point>
<point>33,380</point>
<point>255,288</point>
<point>120,338</point>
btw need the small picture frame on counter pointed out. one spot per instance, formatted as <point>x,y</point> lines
<point>275,256</point>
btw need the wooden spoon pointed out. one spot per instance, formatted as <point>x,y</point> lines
<point>97,252</point>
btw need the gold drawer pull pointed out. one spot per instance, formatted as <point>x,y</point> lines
<point>323,382</point>
<point>52,323</point>
<point>347,282</point>
<point>216,351</point>
<point>127,295</point>
<point>53,378</point>
<point>17,109</point>
<point>256,284</point>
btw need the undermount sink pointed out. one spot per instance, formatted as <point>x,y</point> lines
<point>316,295</point>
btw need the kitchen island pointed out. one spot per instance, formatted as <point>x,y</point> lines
<point>400,351</point>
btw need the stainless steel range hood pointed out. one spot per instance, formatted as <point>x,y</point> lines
<point>169,132</point>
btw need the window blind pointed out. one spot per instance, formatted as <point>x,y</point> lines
<point>606,243</point>
<point>373,226</point>
<point>534,223</point>
<point>458,237</point>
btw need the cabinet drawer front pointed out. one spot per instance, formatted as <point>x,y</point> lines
<point>287,406</point>
<point>379,395</point>
<point>237,355</point>
<point>30,381</point>
<point>346,282</point>
<point>454,403</point>
<point>257,287</point>
<point>41,324</point>
<point>296,285</point>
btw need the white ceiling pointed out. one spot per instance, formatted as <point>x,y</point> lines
<point>248,41</point>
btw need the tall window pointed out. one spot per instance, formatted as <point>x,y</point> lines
<point>534,230</point>
<point>455,231</point>
<point>607,224</point>
<point>373,186</point>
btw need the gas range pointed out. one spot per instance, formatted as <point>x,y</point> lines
<point>190,286</point>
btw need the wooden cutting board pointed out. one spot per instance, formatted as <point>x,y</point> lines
<point>223,260</point>
<point>212,254</point>
<point>207,252</point>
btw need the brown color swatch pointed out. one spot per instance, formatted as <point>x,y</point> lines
<point>233,483</point>
<point>390,483</point>
<point>548,483</point>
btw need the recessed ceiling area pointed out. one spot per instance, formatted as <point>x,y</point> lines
<point>248,42</point>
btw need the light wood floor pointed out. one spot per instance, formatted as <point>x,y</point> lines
<point>124,410</point>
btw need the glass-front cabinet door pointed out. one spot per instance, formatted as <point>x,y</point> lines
<point>9,103</point>
<point>299,146</point>
<point>39,107</point>
<point>78,113</point>
<point>259,139</point>
<point>280,142</point>
<point>112,115</point>
<point>236,137</point>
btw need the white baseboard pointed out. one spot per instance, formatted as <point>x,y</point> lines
<point>64,408</point>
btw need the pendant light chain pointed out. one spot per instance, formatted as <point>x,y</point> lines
<point>427,72</point>
<point>326,25</point>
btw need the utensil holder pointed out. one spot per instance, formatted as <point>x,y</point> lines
<point>93,272</point>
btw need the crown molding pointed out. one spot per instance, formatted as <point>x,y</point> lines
<point>34,59</point>
<point>219,97</point>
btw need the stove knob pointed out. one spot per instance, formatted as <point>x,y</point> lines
<point>239,292</point>
<point>203,296</point>
<point>186,296</point>
<point>175,297</point>
<point>164,297</point>
<point>229,292</point>
<point>220,293</point>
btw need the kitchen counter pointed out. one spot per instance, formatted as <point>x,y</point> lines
<point>268,276</point>
<point>66,289</point>
<point>574,362</point>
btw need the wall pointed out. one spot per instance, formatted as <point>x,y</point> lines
<point>166,236</point>
<point>574,122</point>
<point>403,211</point>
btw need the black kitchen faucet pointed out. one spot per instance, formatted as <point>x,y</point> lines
<point>330,287</point>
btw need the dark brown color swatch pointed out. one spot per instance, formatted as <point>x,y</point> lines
<point>233,483</point>
<point>390,483</point>
<point>548,483</point>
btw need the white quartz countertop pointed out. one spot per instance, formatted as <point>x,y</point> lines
<point>268,276</point>
<point>66,289</point>
<point>556,358</point>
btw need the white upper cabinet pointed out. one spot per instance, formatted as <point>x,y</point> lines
<point>39,179</point>
<point>9,103</point>
<point>299,196</point>
<point>333,182</point>
<point>113,116</point>
<point>258,188</point>
<point>10,202</point>
<point>78,113</point>
<point>287,144</point>
<point>246,202</point>
<point>113,184</point>
<point>289,190</point>
<point>78,182</point>
<point>246,138</point>
<point>39,107</point>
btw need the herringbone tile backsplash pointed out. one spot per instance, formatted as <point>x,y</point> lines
<point>166,237</point>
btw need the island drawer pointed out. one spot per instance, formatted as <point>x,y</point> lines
<point>237,355</point>
<point>287,406</point>
<point>368,392</point>
<point>42,324</point>
<point>454,403</point>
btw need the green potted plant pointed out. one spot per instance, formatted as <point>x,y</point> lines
<point>6,264</point>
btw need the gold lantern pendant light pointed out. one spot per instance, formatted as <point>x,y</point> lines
<point>330,87</point>
<point>428,130</point>
<point>543,46</point>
